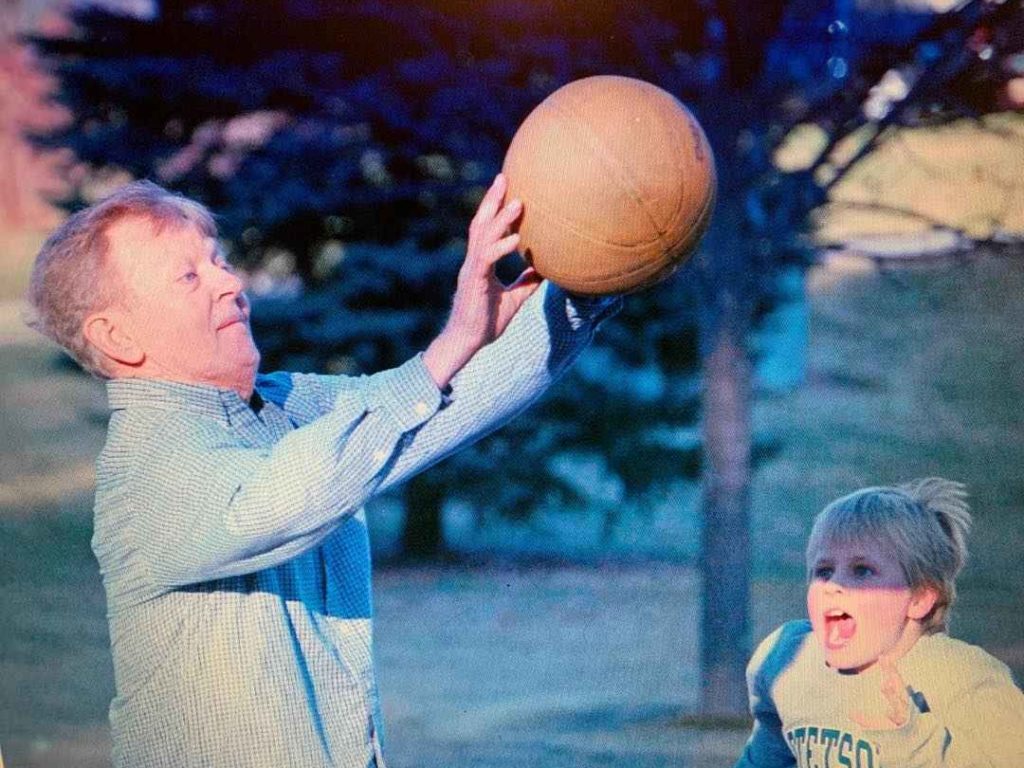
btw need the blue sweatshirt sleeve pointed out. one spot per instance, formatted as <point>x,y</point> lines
<point>766,747</point>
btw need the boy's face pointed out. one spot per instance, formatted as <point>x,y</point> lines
<point>859,603</point>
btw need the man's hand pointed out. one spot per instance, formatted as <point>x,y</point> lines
<point>894,696</point>
<point>483,306</point>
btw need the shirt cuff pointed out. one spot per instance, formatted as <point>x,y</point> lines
<point>590,310</point>
<point>407,394</point>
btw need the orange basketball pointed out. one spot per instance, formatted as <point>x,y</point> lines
<point>617,181</point>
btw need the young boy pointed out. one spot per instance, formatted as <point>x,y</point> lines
<point>873,680</point>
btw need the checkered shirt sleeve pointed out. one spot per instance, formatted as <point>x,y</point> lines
<point>238,508</point>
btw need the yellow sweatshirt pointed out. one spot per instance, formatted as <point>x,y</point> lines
<point>964,709</point>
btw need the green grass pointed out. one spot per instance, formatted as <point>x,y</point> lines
<point>915,373</point>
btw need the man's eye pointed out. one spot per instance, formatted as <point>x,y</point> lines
<point>861,571</point>
<point>224,264</point>
<point>823,572</point>
<point>190,277</point>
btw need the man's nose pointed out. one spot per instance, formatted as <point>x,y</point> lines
<point>229,282</point>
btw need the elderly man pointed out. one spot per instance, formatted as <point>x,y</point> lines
<point>228,524</point>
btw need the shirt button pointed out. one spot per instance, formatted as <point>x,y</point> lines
<point>421,408</point>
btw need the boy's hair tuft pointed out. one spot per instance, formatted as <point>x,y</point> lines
<point>923,522</point>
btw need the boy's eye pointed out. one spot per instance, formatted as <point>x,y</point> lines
<point>190,276</point>
<point>860,570</point>
<point>823,572</point>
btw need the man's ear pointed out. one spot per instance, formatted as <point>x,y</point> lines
<point>922,602</point>
<point>108,332</point>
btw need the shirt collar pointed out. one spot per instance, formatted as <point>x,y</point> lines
<point>172,395</point>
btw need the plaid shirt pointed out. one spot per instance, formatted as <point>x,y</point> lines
<point>234,550</point>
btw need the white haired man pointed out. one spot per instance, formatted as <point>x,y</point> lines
<point>228,522</point>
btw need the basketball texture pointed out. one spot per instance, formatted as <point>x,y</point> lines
<point>617,181</point>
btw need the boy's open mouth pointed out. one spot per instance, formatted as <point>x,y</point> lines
<point>839,628</point>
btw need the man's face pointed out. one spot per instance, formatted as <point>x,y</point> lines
<point>858,602</point>
<point>182,304</point>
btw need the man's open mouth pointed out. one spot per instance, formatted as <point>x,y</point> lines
<point>839,628</point>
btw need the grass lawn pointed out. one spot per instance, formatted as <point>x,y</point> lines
<point>912,373</point>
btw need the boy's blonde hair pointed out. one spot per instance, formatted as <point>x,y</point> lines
<point>925,524</point>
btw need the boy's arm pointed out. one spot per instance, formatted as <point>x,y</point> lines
<point>987,724</point>
<point>977,722</point>
<point>766,747</point>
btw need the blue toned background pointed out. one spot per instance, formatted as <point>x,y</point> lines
<point>542,595</point>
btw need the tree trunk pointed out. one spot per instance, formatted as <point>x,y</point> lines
<point>423,538</point>
<point>725,554</point>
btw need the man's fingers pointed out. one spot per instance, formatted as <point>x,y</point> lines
<point>490,204</point>
<point>527,276</point>
<point>480,261</point>
<point>491,222</point>
<point>510,213</point>
<point>524,285</point>
<point>506,245</point>
<point>488,231</point>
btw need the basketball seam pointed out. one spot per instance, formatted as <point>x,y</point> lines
<point>539,211</point>
<point>691,234</point>
<point>628,184</point>
<point>666,258</point>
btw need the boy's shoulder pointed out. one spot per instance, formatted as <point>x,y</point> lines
<point>946,672</point>
<point>779,649</point>
<point>960,664</point>
<point>789,635</point>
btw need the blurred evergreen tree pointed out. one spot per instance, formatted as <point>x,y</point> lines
<point>344,148</point>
